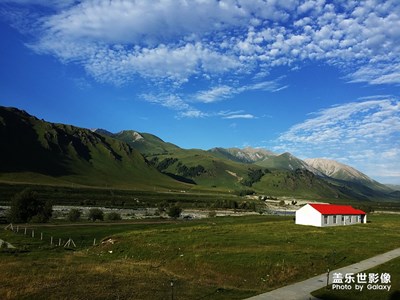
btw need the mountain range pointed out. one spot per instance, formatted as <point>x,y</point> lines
<point>36,151</point>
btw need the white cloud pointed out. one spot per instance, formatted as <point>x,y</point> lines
<point>215,94</point>
<point>167,100</point>
<point>176,40</point>
<point>174,102</point>
<point>223,92</point>
<point>239,114</point>
<point>367,133</point>
<point>242,116</point>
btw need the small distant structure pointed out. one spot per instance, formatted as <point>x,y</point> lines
<point>322,215</point>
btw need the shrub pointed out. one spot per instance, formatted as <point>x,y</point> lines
<point>212,214</point>
<point>96,214</point>
<point>113,216</point>
<point>244,192</point>
<point>74,215</point>
<point>27,207</point>
<point>174,211</point>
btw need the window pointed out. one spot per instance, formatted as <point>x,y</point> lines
<point>334,219</point>
<point>342,219</point>
<point>325,219</point>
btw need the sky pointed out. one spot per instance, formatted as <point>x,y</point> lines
<point>316,78</point>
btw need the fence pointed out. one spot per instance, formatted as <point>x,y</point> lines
<point>51,239</point>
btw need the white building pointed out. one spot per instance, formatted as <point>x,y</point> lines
<point>322,215</point>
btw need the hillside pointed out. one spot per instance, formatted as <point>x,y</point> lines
<point>37,151</point>
<point>287,161</point>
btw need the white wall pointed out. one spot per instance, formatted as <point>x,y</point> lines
<point>308,216</point>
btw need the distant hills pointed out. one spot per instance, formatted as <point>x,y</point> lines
<point>41,152</point>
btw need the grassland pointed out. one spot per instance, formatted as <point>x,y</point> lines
<point>218,258</point>
<point>114,197</point>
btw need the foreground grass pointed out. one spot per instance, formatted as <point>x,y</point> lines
<point>220,258</point>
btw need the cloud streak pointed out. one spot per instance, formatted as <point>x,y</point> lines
<point>222,92</point>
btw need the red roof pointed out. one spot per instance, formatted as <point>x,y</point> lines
<point>330,209</point>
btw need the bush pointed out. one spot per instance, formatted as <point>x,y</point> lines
<point>174,211</point>
<point>27,207</point>
<point>113,216</point>
<point>74,215</point>
<point>244,192</point>
<point>96,214</point>
<point>212,214</point>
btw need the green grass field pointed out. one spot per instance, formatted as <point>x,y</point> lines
<point>112,197</point>
<point>218,258</point>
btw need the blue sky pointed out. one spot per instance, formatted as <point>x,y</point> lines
<point>312,77</point>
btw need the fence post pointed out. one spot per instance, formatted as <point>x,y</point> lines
<point>33,233</point>
<point>41,236</point>
<point>94,242</point>
<point>51,241</point>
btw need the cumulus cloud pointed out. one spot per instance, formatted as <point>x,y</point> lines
<point>176,40</point>
<point>366,133</point>
<point>224,43</point>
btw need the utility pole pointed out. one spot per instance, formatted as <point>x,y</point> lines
<point>172,289</point>
<point>327,279</point>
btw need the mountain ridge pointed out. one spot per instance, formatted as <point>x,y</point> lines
<point>65,153</point>
<point>343,172</point>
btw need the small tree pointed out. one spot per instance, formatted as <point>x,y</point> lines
<point>174,211</point>
<point>26,207</point>
<point>96,214</point>
<point>74,215</point>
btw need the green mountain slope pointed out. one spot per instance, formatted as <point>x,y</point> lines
<point>198,167</point>
<point>246,155</point>
<point>37,151</point>
<point>202,168</point>
<point>145,143</point>
<point>285,161</point>
<point>231,170</point>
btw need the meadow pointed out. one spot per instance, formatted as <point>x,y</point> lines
<point>215,258</point>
